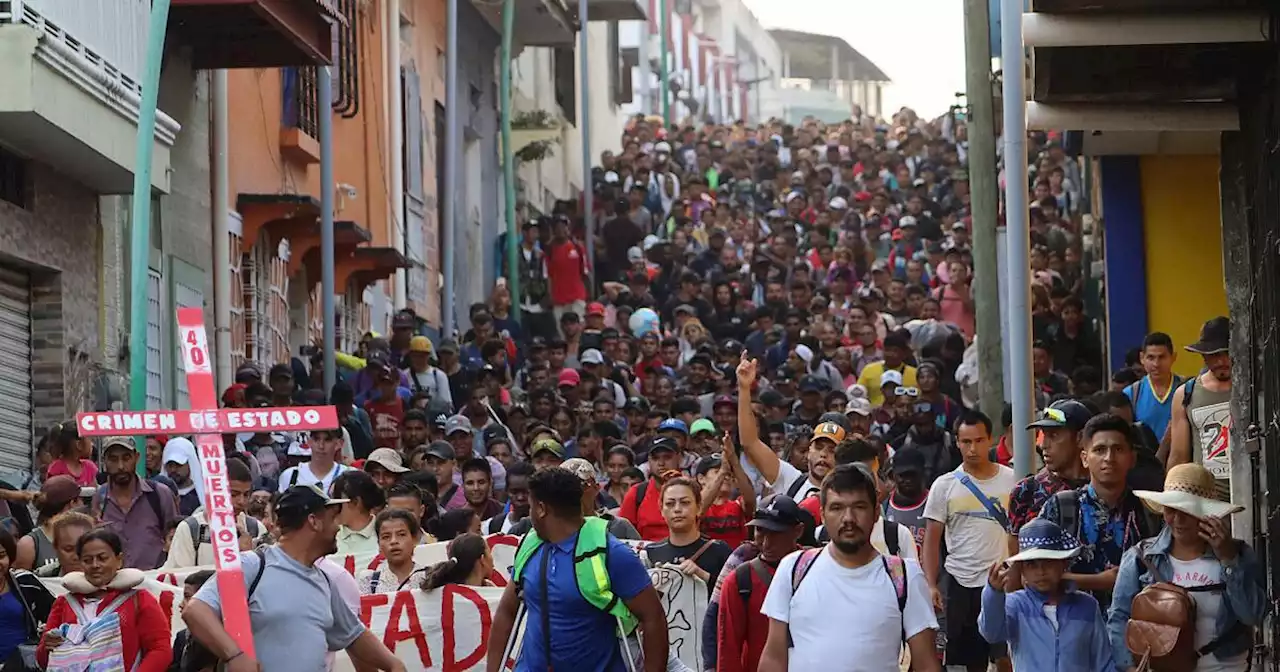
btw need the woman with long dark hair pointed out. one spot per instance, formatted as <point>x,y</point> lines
<point>726,320</point>
<point>470,563</point>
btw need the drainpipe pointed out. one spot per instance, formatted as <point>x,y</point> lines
<point>395,104</point>
<point>449,228</point>
<point>221,232</point>
<point>508,159</point>
<point>140,226</point>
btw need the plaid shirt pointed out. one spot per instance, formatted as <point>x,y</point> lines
<point>1031,492</point>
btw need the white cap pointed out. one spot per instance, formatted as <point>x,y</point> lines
<point>907,221</point>
<point>838,203</point>
<point>859,406</point>
<point>662,147</point>
<point>611,177</point>
<point>804,353</point>
<point>592,356</point>
<point>650,241</point>
<point>890,376</point>
<point>634,254</point>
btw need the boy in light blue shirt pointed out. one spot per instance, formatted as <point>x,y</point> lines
<point>1049,625</point>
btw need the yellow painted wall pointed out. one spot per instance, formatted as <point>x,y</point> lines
<point>1182,231</point>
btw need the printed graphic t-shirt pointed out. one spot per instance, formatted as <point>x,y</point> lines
<point>975,539</point>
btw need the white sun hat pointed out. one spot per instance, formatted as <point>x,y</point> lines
<point>1191,489</point>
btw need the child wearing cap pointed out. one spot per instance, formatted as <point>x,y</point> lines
<point>1049,625</point>
<point>724,517</point>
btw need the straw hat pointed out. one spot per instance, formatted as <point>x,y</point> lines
<point>1191,489</point>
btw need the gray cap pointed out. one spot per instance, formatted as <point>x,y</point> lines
<point>457,423</point>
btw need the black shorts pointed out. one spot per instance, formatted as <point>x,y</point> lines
<point>965,645</point>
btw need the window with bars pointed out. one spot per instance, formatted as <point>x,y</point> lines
<point>301,100</point>
<point>346,70</point>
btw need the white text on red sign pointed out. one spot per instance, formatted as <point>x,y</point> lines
<point>300,418</point>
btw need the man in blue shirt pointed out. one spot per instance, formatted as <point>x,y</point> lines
<point>563,630</point>
<point>1152,396</point>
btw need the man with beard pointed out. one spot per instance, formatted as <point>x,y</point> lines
<point>781,476</point>
<point>969,504</point>
<point>141,524</point>
<point>1199,429</point>
<point>846,606</point>
<point>297,614</point>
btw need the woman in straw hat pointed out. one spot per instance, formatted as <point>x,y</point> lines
<point>1196,551</point>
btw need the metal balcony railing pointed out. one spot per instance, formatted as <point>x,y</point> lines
<point>108,35</point>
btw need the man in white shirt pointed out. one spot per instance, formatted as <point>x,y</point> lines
<point>970,505</point>
<point>322,468</point>
<point>781,477</point>
<point>846,608</point>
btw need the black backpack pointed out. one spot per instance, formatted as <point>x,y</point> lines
<point>196,657</point>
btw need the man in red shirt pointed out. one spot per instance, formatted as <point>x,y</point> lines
<point>566,271</point>
<point>642,504</point>
<point>742,628</point>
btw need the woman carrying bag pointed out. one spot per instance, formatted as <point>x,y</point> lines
<point>106,620</point>
<point>24,605</point>
<point>1188,599</point>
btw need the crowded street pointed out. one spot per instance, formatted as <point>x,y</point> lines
<point>768,388</point>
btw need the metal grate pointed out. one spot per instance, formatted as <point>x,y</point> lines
<point>346,80</point>
<point>301,100</point>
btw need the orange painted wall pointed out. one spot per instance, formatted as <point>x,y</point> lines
<point>359,144</point>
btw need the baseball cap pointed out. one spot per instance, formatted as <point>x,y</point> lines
<point>447,347</point>
<point>387,458</point>
<point>724,400</point>
<point>280,371</point>
<point>674,424</point>
<point>568,378</point>
<point>838,203</point>
<point>57,491</point>
<point>639,404</point>
<point>811,384</point>
<point>592,356</point>
<point>441,450</point>
<point>777,513</point>
<point>706,464</point>
<point>663,443</point>
<point>457,423</point>
<point>595,308</point>
<point>829,430</point>
<point>248,372</point>
<point>859,406</point>
<point>582,469</point>
<point>308,498</point>
<point>493,434</point>
<point>404,320</point>
<point>116,442</point>
<point>908,459</point>
<point>773,399</point>
<point>1063,413</point>
<point>635,254</point>
<point>894,377</point>
<point>907,222</point>
<point>420,344</point>
<point>702,425</point>
<point>547,445</point>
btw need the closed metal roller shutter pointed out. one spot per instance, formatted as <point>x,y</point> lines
<point>15,371</point>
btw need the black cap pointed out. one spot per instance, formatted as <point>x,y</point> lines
<point>494,434</point>
<point>638,404</point>
<point>706,464</point>
<point>1063,413</point>
<point>442,450</point>
<point>305,498</point>
<point>280,371</point>
<point>778,513</point>
<point>772,398</point>
<point>658,443</point>
<point>812,384</point>
<point>907,460</point>
<point>1215,337</point>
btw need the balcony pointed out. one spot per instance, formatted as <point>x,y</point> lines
<point>256,33</point>
<point>70,89</point>
<point>611,10</point>
<point>538,23</point>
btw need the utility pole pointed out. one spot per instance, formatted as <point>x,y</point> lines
<point>1018,232</point>
<point>980,124</point>
<point>665,77</point>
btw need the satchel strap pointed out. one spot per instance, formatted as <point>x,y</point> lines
<point>1151,568</point>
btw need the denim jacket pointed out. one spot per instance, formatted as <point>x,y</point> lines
<point>1078,644</point>
<point>1244,600</point>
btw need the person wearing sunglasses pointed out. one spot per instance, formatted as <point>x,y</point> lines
<point>936,443</point>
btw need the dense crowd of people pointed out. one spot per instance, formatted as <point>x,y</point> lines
<point>769,372</point>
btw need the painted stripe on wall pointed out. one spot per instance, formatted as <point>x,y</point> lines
<point>1126,276</point>
<point>1183,242</point>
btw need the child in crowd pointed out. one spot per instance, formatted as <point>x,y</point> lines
<point>723,517</point>
<point>1049,625</point>
<point>190,586</point>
